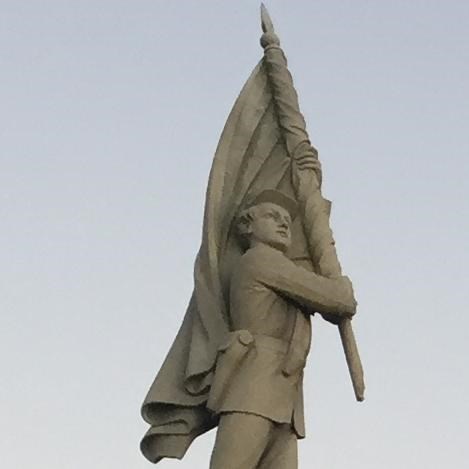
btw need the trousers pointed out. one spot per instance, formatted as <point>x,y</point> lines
<point>248,441</point>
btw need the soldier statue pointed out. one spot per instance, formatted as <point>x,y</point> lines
<point>257,389</point>
<point>266,264</point>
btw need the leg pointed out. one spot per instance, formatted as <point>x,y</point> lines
<point>282,451</point>
<point>241,441</point>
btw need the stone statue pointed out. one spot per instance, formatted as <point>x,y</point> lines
<point>266,264</point>
<point>257,387</point>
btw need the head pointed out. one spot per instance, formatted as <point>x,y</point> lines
<point>268,221</point>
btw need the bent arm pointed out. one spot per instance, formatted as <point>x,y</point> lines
<point>317,293</point>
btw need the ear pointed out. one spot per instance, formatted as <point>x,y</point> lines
<point>244,222</point>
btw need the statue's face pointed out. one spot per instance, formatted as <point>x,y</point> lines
<point>271,225</point>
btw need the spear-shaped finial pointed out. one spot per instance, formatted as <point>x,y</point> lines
<point>267,25</point>
<point>269,38</point>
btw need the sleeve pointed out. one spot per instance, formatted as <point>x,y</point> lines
<point>317,293</point>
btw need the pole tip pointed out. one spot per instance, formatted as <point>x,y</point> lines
<point>267,25</point>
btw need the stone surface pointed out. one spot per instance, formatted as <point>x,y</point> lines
<point>266,264</point>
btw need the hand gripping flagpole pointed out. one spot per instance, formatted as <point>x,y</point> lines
<point>307,184</point>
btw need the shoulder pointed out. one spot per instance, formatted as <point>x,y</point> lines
<point>261,257</point>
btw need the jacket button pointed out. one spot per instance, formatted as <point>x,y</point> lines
<point>245,337</point>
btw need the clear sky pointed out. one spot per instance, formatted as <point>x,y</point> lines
<point>110,114</point>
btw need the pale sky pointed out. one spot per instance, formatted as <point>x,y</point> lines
<point>110,115</point>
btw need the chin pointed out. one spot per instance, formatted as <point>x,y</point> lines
<point>281,245</point>
<point>285,243</point>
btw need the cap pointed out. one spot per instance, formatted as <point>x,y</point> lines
<point>278,198</point>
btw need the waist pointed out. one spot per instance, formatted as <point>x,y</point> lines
<point>263,341</point>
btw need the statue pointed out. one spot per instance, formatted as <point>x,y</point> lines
<point>267,262</point>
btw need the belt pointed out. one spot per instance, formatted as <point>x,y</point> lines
<point>294,357</point>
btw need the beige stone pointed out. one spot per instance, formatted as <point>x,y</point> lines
<point>267,262</point>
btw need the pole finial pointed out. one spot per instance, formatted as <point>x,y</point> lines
<point>267,25</point>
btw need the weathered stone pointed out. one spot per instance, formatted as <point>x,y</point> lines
<point>266,264</point>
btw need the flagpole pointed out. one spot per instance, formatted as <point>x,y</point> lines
<point>315,214</point>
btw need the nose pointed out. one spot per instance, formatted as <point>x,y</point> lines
<point>284,224</point>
